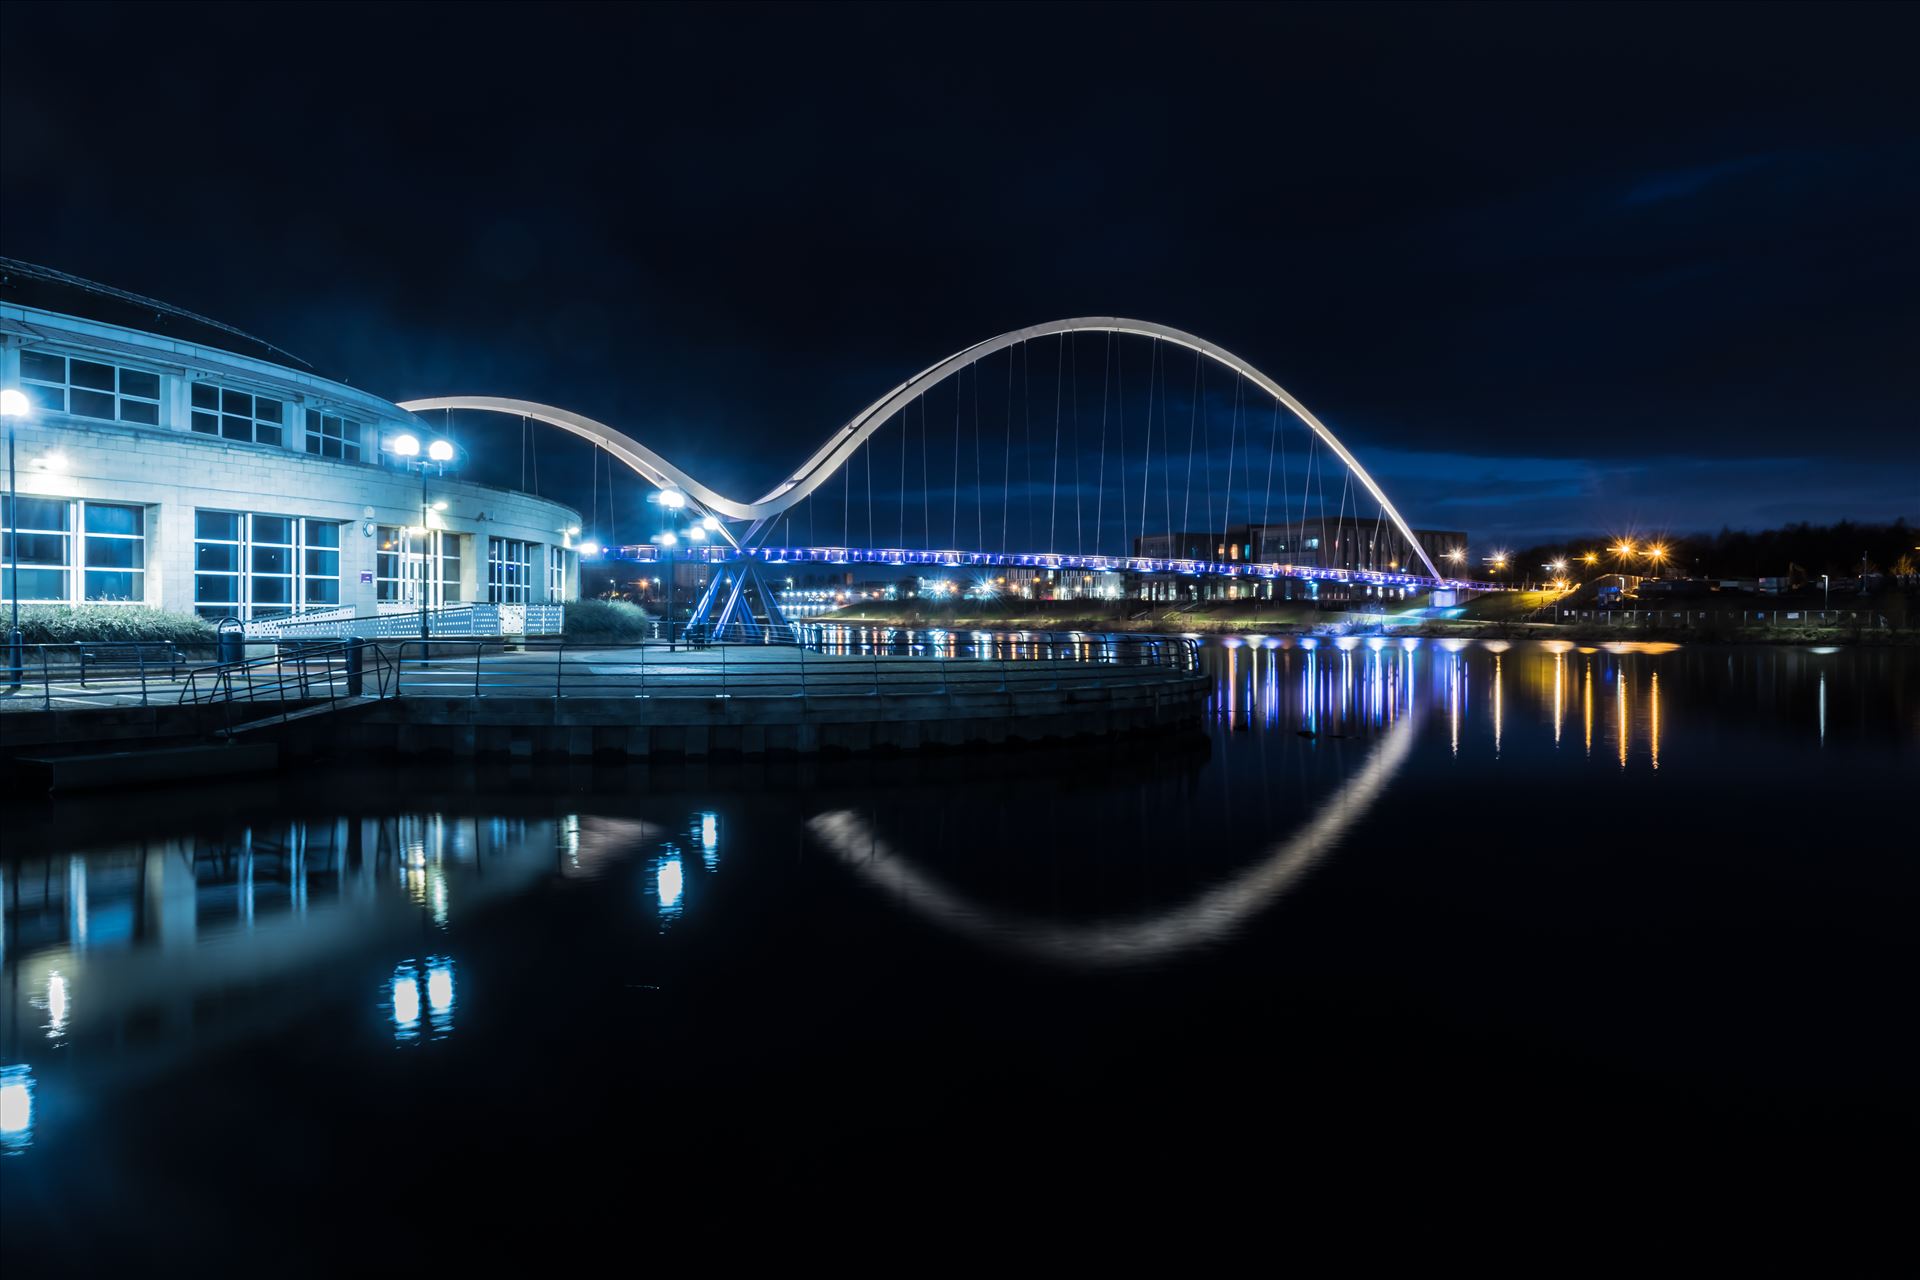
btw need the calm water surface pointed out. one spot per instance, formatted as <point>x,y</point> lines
<point>1473,925</point>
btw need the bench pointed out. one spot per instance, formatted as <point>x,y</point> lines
<point>127,657</point>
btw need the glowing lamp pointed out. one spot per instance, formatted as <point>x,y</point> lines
<point>406,446</point>
<point>14,404</point>
<point>672,499</point>
<point>440,451</point>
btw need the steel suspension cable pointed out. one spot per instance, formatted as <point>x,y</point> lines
<point>1026,410</point>
<point>954,534</point>
<point>1006,462</point>
<point>1266,504</point>
<point>1233,435</point>
<point>1193,430</point>
<point>1146,475</point>
<point>1053,500</point>
<point>1073,362</point>
<point>1166,446</point>
<point>1120,424</point>
<point>1100,487</point>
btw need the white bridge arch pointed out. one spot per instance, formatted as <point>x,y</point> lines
<point>839,447</point>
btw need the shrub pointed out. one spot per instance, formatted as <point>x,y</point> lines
<point>58,624</point>
<point>611,620</point>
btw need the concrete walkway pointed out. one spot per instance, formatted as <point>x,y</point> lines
<point>733,671</point>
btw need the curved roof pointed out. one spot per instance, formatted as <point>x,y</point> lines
<point>32,285</point>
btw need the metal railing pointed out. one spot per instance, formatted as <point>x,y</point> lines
<point>393,622</point>
<point>1718,617</point>
<point>294,679</point>
<point>702,635</point>
<point>118,668</point>
<point>489,669</point>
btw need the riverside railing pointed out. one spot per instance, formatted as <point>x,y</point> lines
<point>296,679</point>
<point>490,669</point>
<point>99,668</point>
<point>1864,618</point>
<point>481,618</point>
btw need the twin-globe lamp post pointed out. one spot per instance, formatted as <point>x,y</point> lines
<point>407,449</point>
<point>672,502</point>
<point>14,406</point>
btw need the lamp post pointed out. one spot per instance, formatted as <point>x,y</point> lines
<point>671,501</point>
<point>13,407</point>
<point>407,448</point>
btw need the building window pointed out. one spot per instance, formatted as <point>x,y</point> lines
<point>114,551</point>
<point>90,389</point>
<point>319,563</point>
<point>405,558</point>
<point>509,570</point>
<point>248,565</point>
<point>559,560</point>
<point>332,437</point>
<point>238,415</point>
<point>43,540</point>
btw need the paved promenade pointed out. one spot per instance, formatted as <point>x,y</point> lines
<point>727,671</point>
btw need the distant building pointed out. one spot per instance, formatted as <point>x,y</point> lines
<point>1315,543</point>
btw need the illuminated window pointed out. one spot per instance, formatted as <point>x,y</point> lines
<point>114,551</point>
<point>44,544</point>
<point>558,562</point>
<point>238,415</point>
<point>399,563</point>
<point>248,565</point>
<point>90,389</point>
<point>329,436</point>
<point>509,571</point>
<point>111,551</point>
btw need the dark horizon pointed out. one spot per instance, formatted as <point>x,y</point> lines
<point>1544,269</point>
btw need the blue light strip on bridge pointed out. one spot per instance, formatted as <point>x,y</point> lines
<point>1036,560</point>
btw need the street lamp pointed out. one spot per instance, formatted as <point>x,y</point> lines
<point>14,406</point>
<point>407,448</point>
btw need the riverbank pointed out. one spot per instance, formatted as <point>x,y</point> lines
<point>1504,620</point>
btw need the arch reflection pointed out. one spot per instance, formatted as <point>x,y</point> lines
<point>1210,918</point>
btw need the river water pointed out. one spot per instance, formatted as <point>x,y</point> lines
<point>1470,924</point>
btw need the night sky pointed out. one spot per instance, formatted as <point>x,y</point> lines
<point>1544,269</point>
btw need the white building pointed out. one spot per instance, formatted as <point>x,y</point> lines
<point>171,461</point>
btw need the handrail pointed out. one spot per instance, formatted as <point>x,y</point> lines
<point>293,677</point>
<point>133,663</point>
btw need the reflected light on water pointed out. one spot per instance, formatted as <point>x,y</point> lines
<point>669,883</point>
<point>1559,692</point>
<point>1498,704</point>
<point>1653,722</point>
<point>440,987</point>
<point>1586,704</point>
<point>16,1109</point>
<point>56,1005</point>
<point>406,1001</point>
<point>405,1005</point>
<point>1620,701</point>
